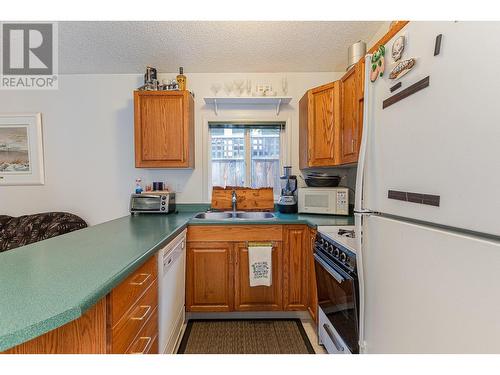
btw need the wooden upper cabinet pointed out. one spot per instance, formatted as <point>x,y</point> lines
<point>349,123</point>
<point>331,121</point>
<point>209,276</point>
<point>350,128</point>
<point>319,116</point>
<point>295,255</point>
<point>257,298</point>
<point>164,129</point>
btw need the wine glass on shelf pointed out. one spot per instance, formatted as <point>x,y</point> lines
<point>238,86</point>
<point>249,87</point>
<point>216,88</point>
<point>228,87</point>
<point>284,85</point>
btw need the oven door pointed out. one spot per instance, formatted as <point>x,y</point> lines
<point>145,203</point>
<point>337,299</point>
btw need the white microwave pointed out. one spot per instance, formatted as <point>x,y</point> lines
<point>332,201</point>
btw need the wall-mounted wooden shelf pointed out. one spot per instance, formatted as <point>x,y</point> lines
<point>245,100</point>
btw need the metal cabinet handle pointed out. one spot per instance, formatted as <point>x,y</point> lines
<point>145,277</point>
<point>143,315</point>
<point>330,334</point>
<point>353,141</point>
<point>143,351</point>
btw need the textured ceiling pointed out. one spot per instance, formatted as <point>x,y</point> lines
<point>206,46</point>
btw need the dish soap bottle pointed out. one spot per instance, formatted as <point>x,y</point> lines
<point>138,187</point>
<point>181,79</point>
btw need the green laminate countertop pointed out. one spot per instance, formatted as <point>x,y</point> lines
<point>311,220</point>
<point>52,282</point>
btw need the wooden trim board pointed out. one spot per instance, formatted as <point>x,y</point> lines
<point>234,233</point>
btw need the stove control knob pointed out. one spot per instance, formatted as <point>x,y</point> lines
<point>337,252</point>
<point>322,242</point>
<point>343,257</point>
<point>330,249</point>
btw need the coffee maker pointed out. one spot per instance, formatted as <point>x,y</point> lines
<point>287,203</point>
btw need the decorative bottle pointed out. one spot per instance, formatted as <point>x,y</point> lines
<point>181,79</point>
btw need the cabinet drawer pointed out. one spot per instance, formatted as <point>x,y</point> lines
<point>127,293</point>
<point>232,233</point>
<point>146,342</point>
<point>153,349</point>
<point>128,327</point>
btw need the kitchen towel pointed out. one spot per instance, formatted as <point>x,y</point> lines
<point>260,263</point>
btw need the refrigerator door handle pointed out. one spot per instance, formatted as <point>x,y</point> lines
<point>358,199</point>
<point>360,222</point>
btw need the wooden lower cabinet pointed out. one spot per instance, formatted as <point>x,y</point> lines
<point>124,321</point>
<point>217,280</point>
<point>132,311</point>
<point>295,270</point>
<point>312,303</point>
<point>209,276</point>
<point>126,331</point>
<point>257,298</point>
<point>130,290</point>
<point>217,274</point>
<point>146,341</point>
<point>85,335</point>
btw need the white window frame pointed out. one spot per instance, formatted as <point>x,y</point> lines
<point>285,150</point>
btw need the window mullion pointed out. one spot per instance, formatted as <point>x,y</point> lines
<point>248,158</point>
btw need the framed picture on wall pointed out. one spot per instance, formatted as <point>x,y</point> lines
<point>21,149</point>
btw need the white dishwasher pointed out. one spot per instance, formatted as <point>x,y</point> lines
<point>171,278</point>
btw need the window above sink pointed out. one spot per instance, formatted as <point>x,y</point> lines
<point>249,154</point>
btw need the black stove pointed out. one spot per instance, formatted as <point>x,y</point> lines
<point>335,253</point>
<point>338,294</point>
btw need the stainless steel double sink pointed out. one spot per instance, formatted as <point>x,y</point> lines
<point>231,215</point>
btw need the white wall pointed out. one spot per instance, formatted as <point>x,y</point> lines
<point>89,146</point>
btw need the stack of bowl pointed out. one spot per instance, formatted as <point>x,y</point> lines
<point>322,179</point>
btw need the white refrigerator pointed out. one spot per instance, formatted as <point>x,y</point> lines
<point>428,196</point>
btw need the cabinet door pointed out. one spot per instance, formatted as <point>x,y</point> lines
<point>295,267</point>
<point>304,119</point>
<point>352,113</point>
<point>163,127</point>
<point>324,111</point>
<point>258,297</point>
<point>209,276</point>
<point>312,304</point>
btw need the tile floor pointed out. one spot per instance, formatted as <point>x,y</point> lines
<point>311,329</point>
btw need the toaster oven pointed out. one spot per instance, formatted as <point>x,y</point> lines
<point>162,203</point>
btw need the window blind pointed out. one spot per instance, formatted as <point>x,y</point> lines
<point>247,125</point>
